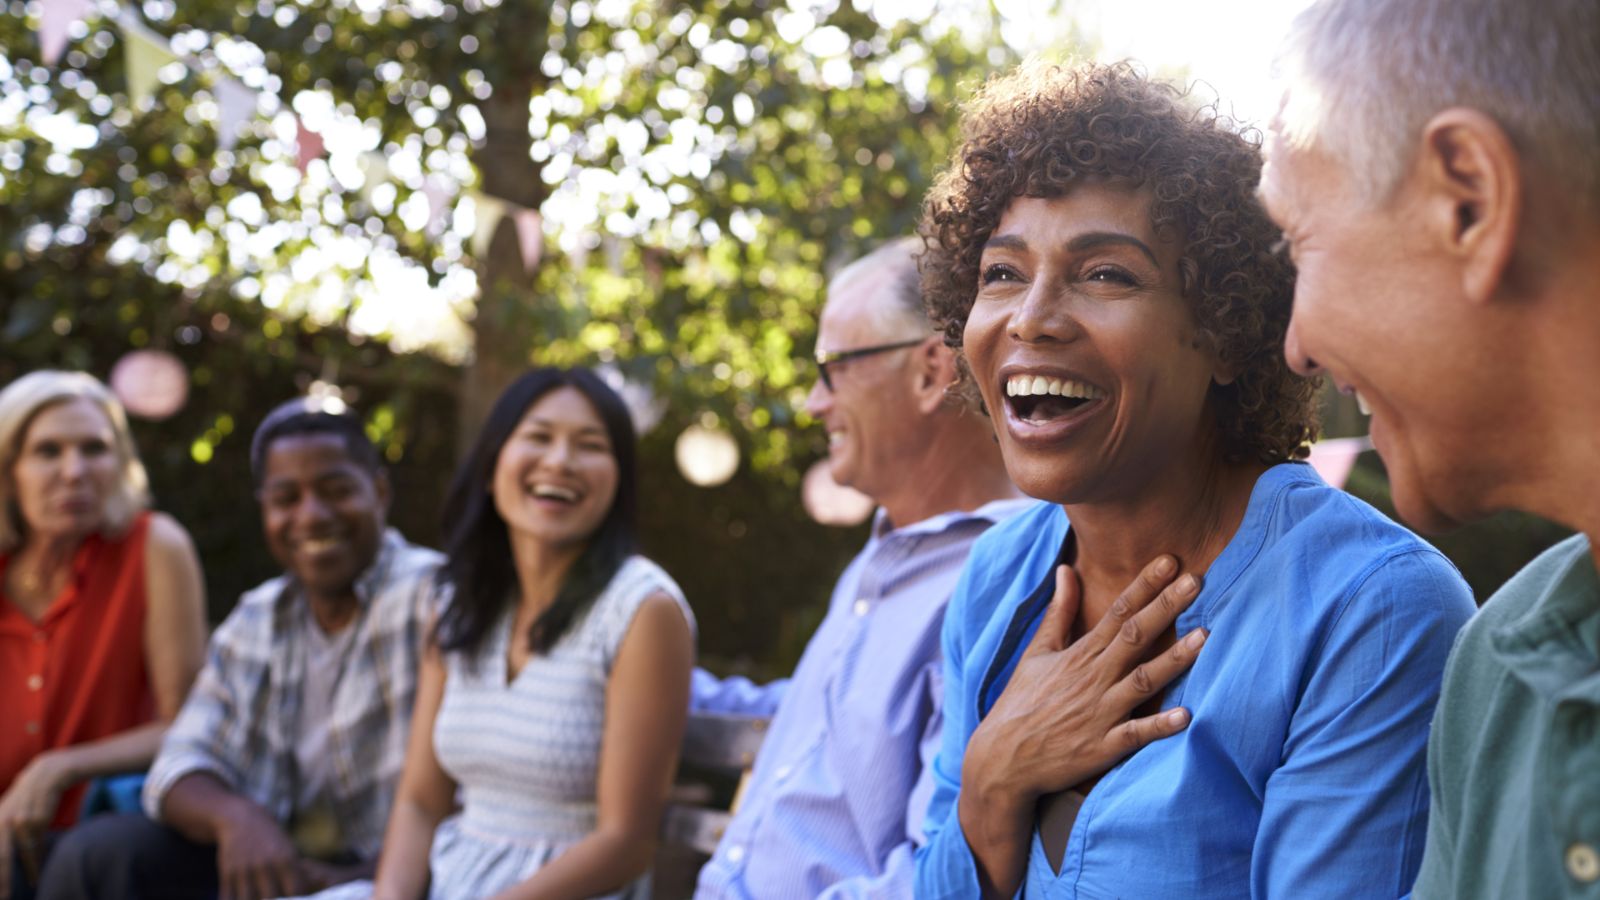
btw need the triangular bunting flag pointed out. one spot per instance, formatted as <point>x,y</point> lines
<point>308,145</point>
<point>489,212</point>
<point>438,194</point>
<point>236,105</point>
<point>374,169</point>
<point>56,18</point>
<point>146,53</point>
<point>1334,458</point>
<point>530,237</point>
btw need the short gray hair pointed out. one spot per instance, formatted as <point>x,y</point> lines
<point>1365,76</point>
<point>20,402</point>
<point>903,311</point>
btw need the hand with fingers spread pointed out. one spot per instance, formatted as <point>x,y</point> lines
<point>1068,711</point>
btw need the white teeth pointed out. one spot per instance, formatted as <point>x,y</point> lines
<point>1041,386</point>
<point>555,493</point>
<point>835,438</point>
<point>1361,403</point>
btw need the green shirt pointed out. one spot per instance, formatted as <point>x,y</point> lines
<point>1514,758</point>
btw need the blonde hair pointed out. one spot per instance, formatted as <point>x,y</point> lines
<point>24,399</point>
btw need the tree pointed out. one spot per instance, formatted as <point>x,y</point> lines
<point>699,170</point>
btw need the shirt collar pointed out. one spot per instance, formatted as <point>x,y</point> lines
<point>1554,648</point>
<point>992,512</point>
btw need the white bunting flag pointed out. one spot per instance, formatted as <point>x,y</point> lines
<point>236,106</point>
<point>438,194</point>
<point>146,53</point>
<point>374,171</point>
<point>56,18</point>
<point>488,213</point>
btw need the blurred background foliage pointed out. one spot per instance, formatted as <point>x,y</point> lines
<point>699,169</point>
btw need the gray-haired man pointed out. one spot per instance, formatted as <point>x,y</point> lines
<point>1436,169</point>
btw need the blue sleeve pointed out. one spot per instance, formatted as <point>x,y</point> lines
<point>734,695</point>
<point>945,867</point>
<point>1345,814</point>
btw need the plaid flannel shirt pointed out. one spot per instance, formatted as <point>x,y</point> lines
<point>240,721</point>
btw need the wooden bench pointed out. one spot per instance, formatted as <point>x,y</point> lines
<point>716,757</point>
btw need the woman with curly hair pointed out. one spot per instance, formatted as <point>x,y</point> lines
<point>1097,255</point>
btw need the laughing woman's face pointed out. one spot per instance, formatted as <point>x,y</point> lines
<point>1084,349</point>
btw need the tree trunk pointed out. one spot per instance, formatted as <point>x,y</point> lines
<point>503,343</point>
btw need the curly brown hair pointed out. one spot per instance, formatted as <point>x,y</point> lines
<point>1041,129</point>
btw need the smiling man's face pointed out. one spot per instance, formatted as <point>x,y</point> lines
<point>1379,307</point>
<point>323,513</point>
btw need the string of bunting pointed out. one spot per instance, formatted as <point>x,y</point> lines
<point>147,52</point>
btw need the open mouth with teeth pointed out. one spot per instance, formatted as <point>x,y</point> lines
<point>1040,398</point>
<point>554,494</point>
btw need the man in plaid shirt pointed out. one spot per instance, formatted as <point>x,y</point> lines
<point>277,775</point>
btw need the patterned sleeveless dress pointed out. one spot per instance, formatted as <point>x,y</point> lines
<point>526,754</point>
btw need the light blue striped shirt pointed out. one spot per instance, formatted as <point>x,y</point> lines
<point>834,807</point>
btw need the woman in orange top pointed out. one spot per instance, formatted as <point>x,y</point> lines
<point>102,610</point>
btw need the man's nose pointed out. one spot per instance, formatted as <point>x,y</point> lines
<point>819,400</point>
<point>312,508</point>
<point>1294,351</point>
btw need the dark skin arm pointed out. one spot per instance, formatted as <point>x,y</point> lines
<point>255,859</point>
<point>1068,713</point>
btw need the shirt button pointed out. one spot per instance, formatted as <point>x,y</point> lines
<point>1583,863</point>
<point>861,606</point>
<point>33,728</point>
<point>735,853</point>
<point>782,773</point>
<point>35,682</point>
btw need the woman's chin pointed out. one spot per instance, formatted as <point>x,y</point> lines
<point>1046,479</point>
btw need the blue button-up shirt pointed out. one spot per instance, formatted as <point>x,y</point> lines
<point>836,801</point>
<point>1302,773</point>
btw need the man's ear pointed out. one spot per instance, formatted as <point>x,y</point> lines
<point>1471,176</point>
<point>934,367</point>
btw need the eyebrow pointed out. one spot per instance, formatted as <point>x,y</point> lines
<point>1089,241</point>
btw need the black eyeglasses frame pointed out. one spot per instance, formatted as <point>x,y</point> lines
<point>828,358</point>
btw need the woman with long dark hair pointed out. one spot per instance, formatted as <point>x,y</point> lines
<point>554,692</point>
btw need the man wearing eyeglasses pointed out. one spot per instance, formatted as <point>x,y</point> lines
<point>835,803</point>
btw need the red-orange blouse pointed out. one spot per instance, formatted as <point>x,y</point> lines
<point>79,673</point>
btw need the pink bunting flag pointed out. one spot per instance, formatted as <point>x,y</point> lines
<point>308,145</point>
<point>530,237</point>
<point>1334,458</point>
<point>56,18</point>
